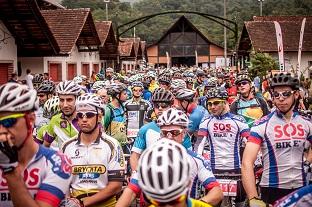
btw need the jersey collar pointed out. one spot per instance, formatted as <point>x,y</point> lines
<point>97,141</point>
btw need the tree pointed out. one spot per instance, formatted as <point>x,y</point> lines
<point>261,64</point>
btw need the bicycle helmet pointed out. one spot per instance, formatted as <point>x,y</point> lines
<point>164,171</point>
<point>17,98</point>
<point>99,77</point>
<point>38,79</point>
<point>173,116</point>
<point>109,70</point>
<point>78,79</point>
<point>162,95</point>
<point>68,88</point>
<point>185,94</point>
<point>200,72</point>
<point>46,87</point>
<point>51,107</point>
<point>177,75</point>
<point>166,78</point>
<point>116,88</point>
<point>217,92</point>
<point>177,84</point>
<point>98,85</point>
<point>189,80</point>
<point>90,99</point>
<point>137,84</point>
<point>241,77</point>
<point>285,79</point>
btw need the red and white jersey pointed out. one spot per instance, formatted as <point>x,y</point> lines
<point>225,135</point>
<point>282,145</point>
<point>47,178</point>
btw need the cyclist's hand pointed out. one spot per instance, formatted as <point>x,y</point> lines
<point>8,156</point>
<point>71,202</point>
<point>256,202</point>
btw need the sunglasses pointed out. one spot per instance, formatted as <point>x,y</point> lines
<point>284,94</point>
<point>215,103</point>
<point>137,90</point>
<point>10,121</point>
<point>242,83</point>
<point>174,133</point>
<point>162,105</point>
<point>164,83</point>
<point>170,203</point>
<point>88,115</point>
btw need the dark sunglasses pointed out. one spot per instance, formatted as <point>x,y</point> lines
<point>164,83</point>
<point>162,105</point>
<point>10,121</point>
<point>284,94</point>
<point>88,115</point>
<point>242,83</point>
<point>174,133</point>
<point>215,103</point>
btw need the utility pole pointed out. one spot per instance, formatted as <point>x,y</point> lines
<point>225,39</point>
<point>261,3</point>
<point>106,8</point>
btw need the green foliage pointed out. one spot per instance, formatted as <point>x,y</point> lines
<point>151,30</point>
<point>262,64</point>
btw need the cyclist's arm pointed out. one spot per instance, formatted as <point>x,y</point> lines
<point>214,196</point>
<point>138,147</point>
<point>126,198</point>
<point>49,134</point>
<point>112,188</point>
<point>248,176</point>
<point>134,158</point>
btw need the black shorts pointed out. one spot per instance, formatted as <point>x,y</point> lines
<point>270,195</point>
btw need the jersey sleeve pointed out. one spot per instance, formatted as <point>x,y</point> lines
<point>203,129</point>
<point>244,129</point>
<point>116,164</point>
<point>205,174</point>
<point>256,134</point>
<point>140,142</point>
<point>49,135</point>
<point>55,184</point>
<point>40,134</point>
<point>133,184</point>
<point>107,117</point>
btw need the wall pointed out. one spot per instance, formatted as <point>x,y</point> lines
<point>8,51</point>
<point>35,64</point>
<point>75,57</point>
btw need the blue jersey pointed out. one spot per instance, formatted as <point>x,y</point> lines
<point>150,134</point>
<point>299,198</point>
<point>195,117</point>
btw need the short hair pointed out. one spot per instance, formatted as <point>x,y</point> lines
<point>28,71</point>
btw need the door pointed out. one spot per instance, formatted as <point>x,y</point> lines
<point>55,71</point>
<point>85,70</point>
<point>96,68</point>
<point>4,71</point>
<point>71,71</point>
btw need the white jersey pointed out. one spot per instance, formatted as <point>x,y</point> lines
<point>94,165</point>
<point>47,178</point>
<point>282,145</point>
<point>225,134</point>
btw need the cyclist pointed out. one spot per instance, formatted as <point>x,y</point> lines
<point>185,100</point>
<point>298,198</point>
<point>248,105</point>
<point>36,80</point>
<point>189,83</point>
<point>98,161</point>
<point>164,81</point>
<point>44,92</point>
<point>225,132</point>
<point>171,187</point>
<point>50,108</point>
<point>31,175</point>
<point>282,136</point>
<point>136,110</point>
<point>114,118</point>
<point>63,126</point>
<point>173,124</point>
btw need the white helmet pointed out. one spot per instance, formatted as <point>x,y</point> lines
<point>17,98</point>
<point>78,79</point>
<point>51,107</point>
<point>185,94</point>
<point>90,99</point>
<point>177,84</point>
<point>97,85</point>
<point>68,88</point>
<point>173,116</point>
<point>164,171</point>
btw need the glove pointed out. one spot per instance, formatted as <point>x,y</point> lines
<point>257,202</point>
<point>71,202</point>
<point>8,157</point>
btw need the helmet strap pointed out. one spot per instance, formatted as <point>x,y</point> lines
<point>29,132</point>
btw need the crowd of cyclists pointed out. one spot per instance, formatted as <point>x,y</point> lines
<point>156,137</point>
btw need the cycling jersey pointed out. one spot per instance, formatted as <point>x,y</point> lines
<point>225,134</point>
<point>115,123</point>
<point>282,144</point>
<point>150,134</point>
<point>196,114</point>
<point>47,178</point>
<point>60,129</point>
<point>193,203</point>
<point>40,120</point>
<point>299,198</point>
<point>136,113</point>
<point>94,166</point>
<point>200,170</point>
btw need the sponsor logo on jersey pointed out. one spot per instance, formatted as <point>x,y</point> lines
<point>31,178</point>
<point>61,165</point>
<point>288,135</point>
<point>78,169</point>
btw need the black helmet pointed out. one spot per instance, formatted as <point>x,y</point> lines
<point>241,77</point>
<point>162,95</point>
<point>46,87</point>
<point>285,79</point>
